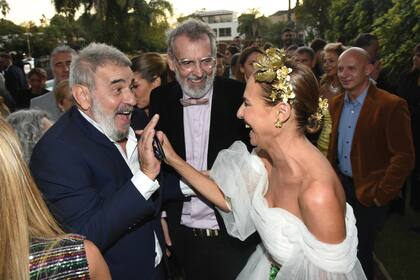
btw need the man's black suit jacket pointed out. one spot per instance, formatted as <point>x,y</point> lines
<point>88,186</point>
<point>225,128</point>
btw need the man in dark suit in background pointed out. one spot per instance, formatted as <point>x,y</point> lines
<point>98,180</point>
<point>14,77</point>
<point>371,147</point>
<point>60,61</point>
<point>198,114</point>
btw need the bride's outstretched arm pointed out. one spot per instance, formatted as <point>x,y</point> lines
<point>200,182</point>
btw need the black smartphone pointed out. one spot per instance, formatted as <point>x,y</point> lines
<point>157,149</point>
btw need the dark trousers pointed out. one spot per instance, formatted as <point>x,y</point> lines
<point>209,258</point>
<point>368,221</point>
<point>415,187</point>
<point>159,271</point>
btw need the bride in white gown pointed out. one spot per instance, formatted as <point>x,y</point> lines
<point>285,189</point>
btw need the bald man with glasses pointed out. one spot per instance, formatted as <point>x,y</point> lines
<point>198,114</point>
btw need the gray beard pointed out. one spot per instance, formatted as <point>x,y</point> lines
<point>106,123</point>
<point>196,93</point>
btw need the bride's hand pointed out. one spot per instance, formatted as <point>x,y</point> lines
<point>170,154</point>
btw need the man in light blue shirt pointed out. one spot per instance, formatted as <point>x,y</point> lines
<point>371,147</point>
<point>348,121</point>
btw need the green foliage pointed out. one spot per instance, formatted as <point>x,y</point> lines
<point>312,14</point>
<point>340,24</point>
<point>351,17</point>
<point>126,24</point>
<point>398,31</point>
<point>64,29</point>
<point>340,20</point>
<point>12,36</point>
<point>395,22</point>
<point>7,27</point>
<point>252,25</point>
<point>141,24</point>
<point>39,40</point>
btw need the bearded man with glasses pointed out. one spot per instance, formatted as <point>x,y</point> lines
<point>198,114</point>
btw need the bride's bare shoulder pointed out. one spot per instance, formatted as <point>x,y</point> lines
<point>322,207</point>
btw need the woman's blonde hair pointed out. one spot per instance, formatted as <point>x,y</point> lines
<point>61,91</point>
<point>23,212</point>
<point>337,48</point>
<point>4,110</point>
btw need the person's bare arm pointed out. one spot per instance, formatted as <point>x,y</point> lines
<point>323,213</point>
<point>98,269</point>
<point>166,235</point>
<point>200,182</point>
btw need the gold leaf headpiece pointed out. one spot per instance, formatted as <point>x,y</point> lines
<point>271,69</point>
<point>322,109</point>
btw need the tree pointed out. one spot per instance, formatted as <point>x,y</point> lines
<point>350,17</point>
<point>126,24</point>
<point>12,37</point>
<point>152,21</point>
<point>7,28</point>
<point>398,31</point>
<point>67,29</point>
<point>313,14</point>
<point>252,25</point>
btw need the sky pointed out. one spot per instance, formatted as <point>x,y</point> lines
<point>32,10</point>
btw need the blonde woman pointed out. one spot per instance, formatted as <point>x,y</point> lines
<point>32,245</point>
<point>329,87</point>
<point>63,96</point>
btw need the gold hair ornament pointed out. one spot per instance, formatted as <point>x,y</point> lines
<point>322,109</point>
<point>271,69</point>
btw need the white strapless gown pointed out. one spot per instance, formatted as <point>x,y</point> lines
<point>285,238</point>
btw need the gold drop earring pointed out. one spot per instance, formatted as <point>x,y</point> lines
<point>278,123</point>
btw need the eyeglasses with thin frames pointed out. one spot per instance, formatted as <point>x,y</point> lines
<point>205,63</point>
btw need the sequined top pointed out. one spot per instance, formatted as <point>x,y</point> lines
<point>324,136</point>
<point>62,259</point>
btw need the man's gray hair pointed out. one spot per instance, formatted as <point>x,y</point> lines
<point>29,128</point>
<point>61,49</point>
<point>84,65</point>
<point>194,30</point>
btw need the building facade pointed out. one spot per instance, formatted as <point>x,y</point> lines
<point>224,23</point>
